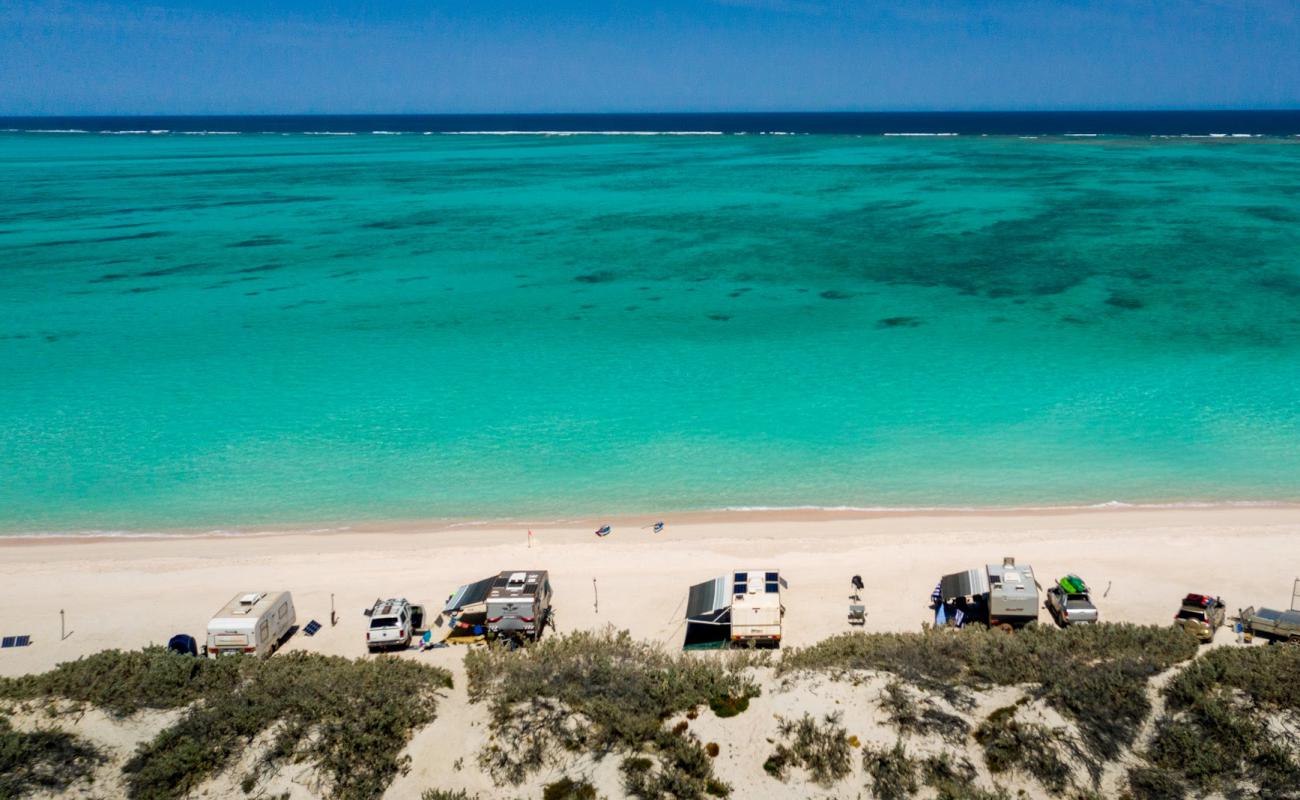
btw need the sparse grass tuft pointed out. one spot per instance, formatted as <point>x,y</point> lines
<point>447,794</point>
<point>920,715</point>
<point>821,748</point>
<point>892,771</point>
<point>45,761</point>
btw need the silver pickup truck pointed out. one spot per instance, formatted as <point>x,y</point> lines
<point>1275,626</point>
<point>1069,602</point>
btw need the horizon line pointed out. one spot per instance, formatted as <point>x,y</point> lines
<point>1133,110</point>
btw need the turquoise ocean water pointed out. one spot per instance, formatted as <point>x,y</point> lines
<point>220,331</point>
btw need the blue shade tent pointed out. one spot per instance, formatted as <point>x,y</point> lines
<point>184,644</point>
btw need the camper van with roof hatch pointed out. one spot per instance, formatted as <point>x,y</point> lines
<point>252,623</point>
<point>756,609</point>
<point>1013,594</point>
<point>742,607</point>
<point>519,604</point>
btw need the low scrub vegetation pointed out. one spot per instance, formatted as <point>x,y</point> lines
<point>603,692</point>
<point>820,748</point>
<point>917,714</point>
<point>123,682</point>
<point>349,719</point>
<point>1095,675</point>
<point>1012,745</point>
<point>569,789</point>
<point>1224,729</point>
<point>44,760</point>
<point>892,772</point>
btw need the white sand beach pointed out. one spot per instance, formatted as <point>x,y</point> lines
<point>127,593</point>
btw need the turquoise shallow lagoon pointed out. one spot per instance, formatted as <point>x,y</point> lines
<point>219,331</point>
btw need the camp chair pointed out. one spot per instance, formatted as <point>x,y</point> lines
<point>857,614</point>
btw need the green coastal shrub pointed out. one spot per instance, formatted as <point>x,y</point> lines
<point>123,682</point>
<point>1215,736</point>
<point>1095,675</point>
<point>42,761</point>
<point>349,719</point>
<point>568,789</point>
<point>601,692</point>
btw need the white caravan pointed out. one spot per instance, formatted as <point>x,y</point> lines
<point>253,622</point>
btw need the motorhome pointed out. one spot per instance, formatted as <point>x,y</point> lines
<point>742,607</point>
<point>519,604</point>
<point>253,623</point>
<point>1013,594</point>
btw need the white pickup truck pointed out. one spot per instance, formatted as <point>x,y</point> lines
<point>394,624</point>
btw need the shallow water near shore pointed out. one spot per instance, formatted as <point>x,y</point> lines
<point>245,330</point>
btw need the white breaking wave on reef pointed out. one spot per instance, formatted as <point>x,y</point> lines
<point>920,134</point>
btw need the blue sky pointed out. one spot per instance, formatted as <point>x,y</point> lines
<point>323,56</point>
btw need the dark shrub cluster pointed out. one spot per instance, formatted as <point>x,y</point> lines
<point>602,692</point>
<point>568,789</point>
<point>821,748</point>
<point>1094,674</point>
<point>47,761</point>
<point>123,682</point>
<point>1011,745</point>
<point>350,719</point>
<point>920,715</point>
<point>1215,736</point>
<point>892,772</point>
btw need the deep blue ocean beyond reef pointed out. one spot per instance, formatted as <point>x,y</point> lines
<point>251,329</point>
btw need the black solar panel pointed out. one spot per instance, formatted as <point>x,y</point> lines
<point>311,628</point>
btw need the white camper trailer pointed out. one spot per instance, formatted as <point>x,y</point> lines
<point>519,604</point>
<point>741,607</point>
<point>1013,593</point>
<point>253,622</point>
